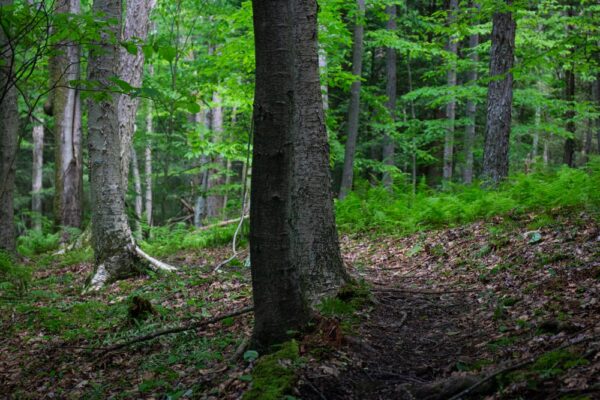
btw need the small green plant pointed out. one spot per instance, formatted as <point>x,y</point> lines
<point>14,278</point>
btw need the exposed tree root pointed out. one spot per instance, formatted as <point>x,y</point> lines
<point>154,264</point>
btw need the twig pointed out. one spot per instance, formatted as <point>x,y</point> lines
<point>178,329</point>
<point>514,367</point>
<point>219,224</point>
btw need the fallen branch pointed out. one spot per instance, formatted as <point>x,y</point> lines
<point>155,265</point>
<point>222,223</point>
<point>425,291</point>
<point>178,329</point>
<point>514,367</point>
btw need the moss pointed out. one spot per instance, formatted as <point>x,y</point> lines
<point>274,375</point>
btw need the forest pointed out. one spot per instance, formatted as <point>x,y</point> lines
<point>300,199</point>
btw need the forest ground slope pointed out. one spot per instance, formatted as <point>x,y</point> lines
<point>448,306</point>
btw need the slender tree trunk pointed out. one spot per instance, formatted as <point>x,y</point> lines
<point>354,105</point>
<point>9,125</point>
<point>137,185</point>
<point>293,241</point>
<point>499,102</point>
<point>66,108</point>
<point>201,119</point>
<point>471,112</point>
<point>569,149</point>
<point>451,106</point>
<point>131,68</point>
<point>546,154</point>
<point>111,236</point>
<point>214,200</point>
<point>536,132</point>
<point>323,77</point>
<point>597,86</point>
<point>148,166</point>
<point>36,176</point>
<point>413,150</point>
<point>388,149</point>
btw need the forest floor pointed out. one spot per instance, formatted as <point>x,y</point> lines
<point>504,309</point>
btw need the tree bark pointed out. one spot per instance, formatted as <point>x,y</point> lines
<point>499,101</point>
<point>293,240</point>
<point>66,109</point>
<point>451,106</point>
<point>569,149</point>
<point>354,105</point>
<point>137,185</point>
<point>536,133</point>
<point>131,68</point>
<point>114,249</point>
<point>201,119</point>
<point>214,200</point>
<point>388,149</point>
<point>148,164</point>
<point>323,77</point>
<point>471,112</point>
<point>36,177</point>
<point>9,125</point>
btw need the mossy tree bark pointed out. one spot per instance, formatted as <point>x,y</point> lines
<point>293,241</point>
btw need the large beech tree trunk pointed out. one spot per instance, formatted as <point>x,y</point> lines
<point>451,106</point>
<point>111,236</point>
<point>9,125</point>
<point>36,176</point>
<point>388,149</point>
<point>499,101</point>
<point>471,112</point>
<point>354,105</point>
<point>293,241</point>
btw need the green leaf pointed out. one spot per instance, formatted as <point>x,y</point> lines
<point>147,50</point>
<point>192,107</point>
<point>250,355</point>
<point>130,47</point>
<point>167,53</point>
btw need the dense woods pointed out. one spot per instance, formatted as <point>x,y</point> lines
<point>288,179</point>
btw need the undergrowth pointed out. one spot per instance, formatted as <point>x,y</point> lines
<point>402,213</point>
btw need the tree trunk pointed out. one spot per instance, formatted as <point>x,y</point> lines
<point>390,91</point>
<point>499,101</point>
<point>36,177</point>
<point>471,112</point>
<point>597,86</point>
<point>354,105</point>
<point>111,236</point>
<point>323,77</point>
<point>9,125</point>
<point>201,119</point>
<point>451,106</point>
<point>148,165</point>
<point>131,68</point>
<point>293,240</point>
<point>66,109</point>
<point>536,132</point>
<point>569,149</point>
<point>214,200</point>
<point>137,184</point>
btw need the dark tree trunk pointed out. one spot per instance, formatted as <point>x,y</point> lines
<point>9,125</point>
<point>451,106</point>
<point>66,109</point>
<point>499,101</point>
<point>569,149</point>
<point>293,241</point>
<point>471,112</point>
<point>388,149</point>
<point>354,105</point>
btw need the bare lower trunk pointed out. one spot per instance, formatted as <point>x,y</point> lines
<point>354,105</point>
<point>293,241</point>
<point>36,177</point>
<point>499,103</point>
<point>546,154</point>
<point>131,67</point>
<point>66,108</point>
<point>569,149</point>
<point>9,125</point>
<point>202,120</point>
<point>388,149</point>
<point>137,185</point>
<point>536,132</point>
<point>471,112</point>
<point>451,106</point>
